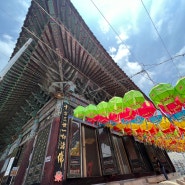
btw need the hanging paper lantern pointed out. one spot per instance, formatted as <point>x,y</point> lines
<point>155,119</point>
<point>128,114</point>
<point>114,117</point>
<point>90,111</point>
<point>128,131</point>
<point>180,124</point>
<point>137,120</point>
<point>179,116</point>
<point>139,132</point>
<point>180,87</point>
<point>153,130</point>
<point>102,109</point>
<point>171,108</point>
<point>159,134</point>
<point>146,126</point>
<point>133,99</point>
<point>162,93</point>
<point>164,124</point>
<point>169,130</point>
<point>120,126</point>
<point>79,112</point>
<point>117,129</point>
<point>101,119</point>
<point>134,126</point>
<point>115,105</point>
<point>91,120</point>
<point>146,110</point>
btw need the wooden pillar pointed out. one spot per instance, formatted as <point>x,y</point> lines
<point>28,149</point>
<point>24,163</point>
<point>48,177</point>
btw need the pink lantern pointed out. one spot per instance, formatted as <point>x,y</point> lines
<point>147,110</point>
<point>114,117</point>
<point>128,114</point>
<point>172,108</point>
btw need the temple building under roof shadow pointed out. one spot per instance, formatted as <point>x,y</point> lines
<point>64,66</point>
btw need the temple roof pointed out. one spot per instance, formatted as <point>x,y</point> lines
<point>60,39</point>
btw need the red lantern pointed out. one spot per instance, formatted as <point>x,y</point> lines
<point>169,130</point>
<point>115,128</point>
<point>128,131</point>
<point>91,120</point>
<point>114,117</point>
<point>101,119</point>
<point>147,110</point>
<point>128,114</point>
<point>172,108</point>
<point>97,118</point>
<point>139,132</point>
<point>153,130</point>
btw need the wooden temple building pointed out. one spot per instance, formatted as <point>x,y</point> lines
<point>64,66</point>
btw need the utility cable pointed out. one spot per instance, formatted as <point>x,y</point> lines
<point>114,30</point>
<point>164,45</point>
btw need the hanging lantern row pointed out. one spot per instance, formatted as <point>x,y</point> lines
<point>160,122</point>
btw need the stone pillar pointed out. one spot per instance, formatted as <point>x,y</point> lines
<point>48,177</point>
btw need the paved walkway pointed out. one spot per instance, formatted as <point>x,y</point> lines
<point>174,179</point>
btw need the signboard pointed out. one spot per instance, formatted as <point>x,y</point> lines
<point>14,171</point>
<point>59,165</point>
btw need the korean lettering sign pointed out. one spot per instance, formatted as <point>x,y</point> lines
<point>59,165</point>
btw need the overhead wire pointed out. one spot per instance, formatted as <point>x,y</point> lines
<point>114,30</point>
<point>162,41</point>
<point>142,71</point>
<point>171,58</point>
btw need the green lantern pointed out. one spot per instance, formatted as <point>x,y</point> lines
<point>102,109</point>
<point>133,99</point>
<point>180,88</point>
<point>90,111</point>
<point>79,112</point>
<point>163,94</point>
<point>115,105</point>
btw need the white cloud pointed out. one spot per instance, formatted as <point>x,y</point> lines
<point>123,36</point>
<point>7,45</point>
<point>181,51</point>
<point>133,67</point>
<point>114,13</point>
<point>121,57</point>
<point>104,26</point>
<point>112,50</point>
<point>122,54</point>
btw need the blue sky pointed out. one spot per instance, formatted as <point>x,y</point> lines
<point>129,36</point>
